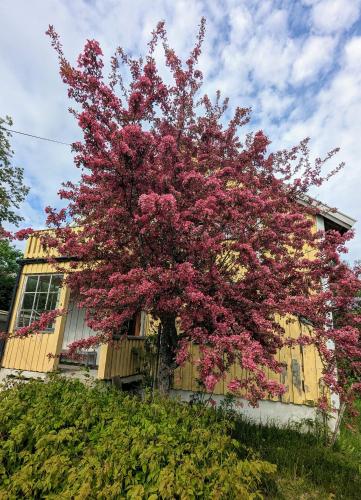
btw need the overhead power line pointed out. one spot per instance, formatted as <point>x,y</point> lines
<point>35,136</point>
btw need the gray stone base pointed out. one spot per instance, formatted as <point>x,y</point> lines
<point>19,374</point>
<point>68,371</point>
<point>268,412</point>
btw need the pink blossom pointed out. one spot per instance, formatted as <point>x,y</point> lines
<point>234,385</point>
<point>210,382</point>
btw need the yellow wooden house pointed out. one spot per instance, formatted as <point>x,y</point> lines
<point>39,288</point>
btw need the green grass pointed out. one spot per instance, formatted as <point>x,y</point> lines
<point>350,441</point>
<point>306,468</point>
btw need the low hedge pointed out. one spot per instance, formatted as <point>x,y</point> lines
<point>66,440</point>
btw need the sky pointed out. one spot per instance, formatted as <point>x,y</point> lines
<point>297,64</point>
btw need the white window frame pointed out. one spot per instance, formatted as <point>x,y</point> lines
<point>33,310</point>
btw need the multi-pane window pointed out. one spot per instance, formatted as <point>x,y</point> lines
<point>41,294</point>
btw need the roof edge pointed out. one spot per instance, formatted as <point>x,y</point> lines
<point>328,212</point>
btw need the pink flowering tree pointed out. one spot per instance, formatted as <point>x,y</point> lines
<point>180,218</point>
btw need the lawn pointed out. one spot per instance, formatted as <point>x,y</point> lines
<point>306,468</point>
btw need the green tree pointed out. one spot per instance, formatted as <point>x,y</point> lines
<point>8,270</point>
<point>12,188</point>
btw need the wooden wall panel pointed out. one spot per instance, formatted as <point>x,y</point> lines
<point>121,358</point>
<point>300,376</point>
<point>31,353</point>
<point>34,249</point>
<point>296,368</point>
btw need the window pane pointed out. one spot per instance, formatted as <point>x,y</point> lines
<point>36,315</point>
<point>24,318</point>
<point>28,300</point>
<point>40,301</point>
<point>55,282</point>
<point>52,301</point>
<point>31,283</point>
<point>44,283</point>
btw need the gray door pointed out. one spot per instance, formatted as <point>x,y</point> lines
<point>76,329</point>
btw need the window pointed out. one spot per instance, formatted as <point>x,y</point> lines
<point>133,327</point>
<point>41,293</point>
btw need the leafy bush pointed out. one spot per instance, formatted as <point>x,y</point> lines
<point>62,439</point>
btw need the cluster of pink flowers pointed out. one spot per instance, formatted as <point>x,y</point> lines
<point>44,322</point>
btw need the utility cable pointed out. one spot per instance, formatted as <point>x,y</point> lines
<point>35,136</point>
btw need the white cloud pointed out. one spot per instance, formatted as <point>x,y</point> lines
<point>353,53</point>
<point>329,16</point>
<point>316,55</point>
<point>335,122</point>
<point>271,60</point>
<point>272,104</point>
<point>258,50</point>
<point>241,24</point>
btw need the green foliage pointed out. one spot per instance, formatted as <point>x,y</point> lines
<point>64,440</point>
<point>8,270</point>
<point>350,438</point>
<point>12,189</point>
<point>306,468</point>
<point>148,359</point>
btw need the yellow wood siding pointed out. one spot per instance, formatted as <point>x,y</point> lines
<point>125,357</point>
<point>31,353</point>
<point>121,359</point>
<point>301,374</point>
<point>34,249</point>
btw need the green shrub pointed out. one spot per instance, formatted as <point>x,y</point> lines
<point>62,439</point>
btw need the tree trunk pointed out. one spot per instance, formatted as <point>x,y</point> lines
<point>167,352</point>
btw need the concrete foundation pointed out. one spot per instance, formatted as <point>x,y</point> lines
<point>8,372</point>
<point>68,371</point>
<point>268,412</point>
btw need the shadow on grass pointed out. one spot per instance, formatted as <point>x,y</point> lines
<point>304,462</point>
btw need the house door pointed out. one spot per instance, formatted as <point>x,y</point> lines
<point>76,329</point>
